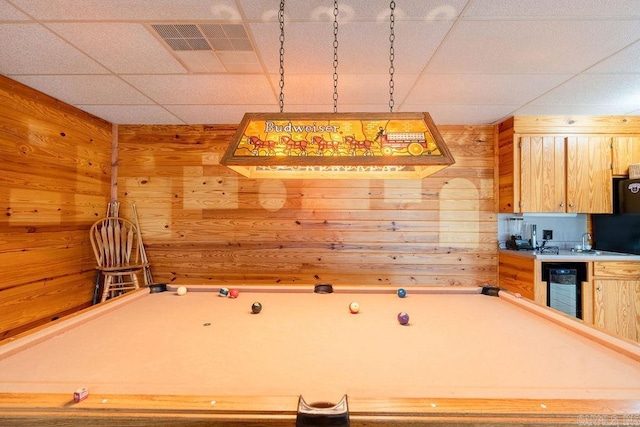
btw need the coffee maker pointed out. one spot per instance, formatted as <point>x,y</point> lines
<point>516,242</point>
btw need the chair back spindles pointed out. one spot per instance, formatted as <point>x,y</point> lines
<point>115,245</point>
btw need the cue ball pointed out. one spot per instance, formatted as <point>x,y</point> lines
<point>181,290</point>
<point>223,292</point>
<point>256,308</point>
<point>233,293</point>
<point>402,293</point>
<point>354,307</point>
<point>403,318</point>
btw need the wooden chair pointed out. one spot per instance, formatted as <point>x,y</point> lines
<point>116,246</point>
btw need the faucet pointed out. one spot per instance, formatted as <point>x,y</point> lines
<point>585,242</point>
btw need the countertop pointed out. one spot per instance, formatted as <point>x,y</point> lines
<point>567,255</point>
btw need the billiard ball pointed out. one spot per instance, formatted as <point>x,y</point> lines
<point>402,293</point>
<point>181,290</point>
<point>354,307</point>
<point>233,293</point>
<point>256,308</point>
<point>223,292</point>
<point>403,318</point>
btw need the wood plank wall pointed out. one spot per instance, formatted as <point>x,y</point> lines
<point>55,177</point>
<point>204,224</point>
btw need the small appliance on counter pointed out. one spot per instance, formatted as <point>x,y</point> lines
<point>548,250</point>
<point>516,242</point>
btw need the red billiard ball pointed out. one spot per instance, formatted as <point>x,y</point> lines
<point>233,293</point>
<point>403,318</point>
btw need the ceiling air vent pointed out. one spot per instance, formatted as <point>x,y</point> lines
<point>218,37</point>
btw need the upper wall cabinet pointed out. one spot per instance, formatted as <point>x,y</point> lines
<point>557,165</point>
<point>589,178</point>
<point>626,151</point>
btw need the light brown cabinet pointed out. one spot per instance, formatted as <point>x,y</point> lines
<point>556,164</point>
<point>542,173</point>
<point>557,173</point>
<point>610,295</point>
<point>616,287</point>
<point>589,176</point>
<point>626,151</point>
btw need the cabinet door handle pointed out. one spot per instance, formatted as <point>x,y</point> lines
<point>562,204</point>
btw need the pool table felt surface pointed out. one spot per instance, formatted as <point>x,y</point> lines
<point>455,346</point>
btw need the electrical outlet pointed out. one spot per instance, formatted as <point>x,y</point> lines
<point>547,234</point>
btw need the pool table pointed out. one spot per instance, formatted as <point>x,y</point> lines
<point>469,355</point>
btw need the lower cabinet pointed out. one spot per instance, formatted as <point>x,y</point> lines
<point>610,296</point>
<point>616,287</point>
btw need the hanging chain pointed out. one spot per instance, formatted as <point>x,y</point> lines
<point>335,56</point>
<point>281,20</point>
<point>392,37</point>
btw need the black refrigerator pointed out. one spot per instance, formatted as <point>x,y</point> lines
<point>620,232</point>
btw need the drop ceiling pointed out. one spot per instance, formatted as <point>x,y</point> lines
<point>209,62</point>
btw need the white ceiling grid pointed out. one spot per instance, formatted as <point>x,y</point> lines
<point>463,61</point>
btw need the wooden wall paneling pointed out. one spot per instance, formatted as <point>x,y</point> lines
<point>203,223</point>
<point>508,169</point>
<point>54,182</point>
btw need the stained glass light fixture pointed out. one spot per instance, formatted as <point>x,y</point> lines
<point>332,145</point>
<point>337,145</point>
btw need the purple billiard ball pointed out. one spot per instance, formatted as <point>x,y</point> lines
<point>403,318</point>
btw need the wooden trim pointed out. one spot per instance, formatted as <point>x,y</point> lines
<point>577,124</point>
<point>114,162</point>
<point>176,410</point>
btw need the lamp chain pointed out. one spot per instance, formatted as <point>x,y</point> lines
<point>281,20</point>
<point>392,37</point>
<point>335,56</point>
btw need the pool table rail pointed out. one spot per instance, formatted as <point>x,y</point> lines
<point>53,409</point>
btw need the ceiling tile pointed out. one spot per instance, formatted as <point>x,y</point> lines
<point>32,49</point>
<point>132,114</point>
<point>349,10</point>
<point>624,61</point>
<point>205,89</point>
<point>462,114</point>
<point>122,48</point>
<point>531,46</point>
<point>209,114</point>
<point>596,89</point>
<point>352,88</point>
<point>101,10</point>
<point>10,13</point>
<point>201,61</point>
<point>414,44</point>
<point>482,89</point>
<point>86,89</point>
<point>576,9</point>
